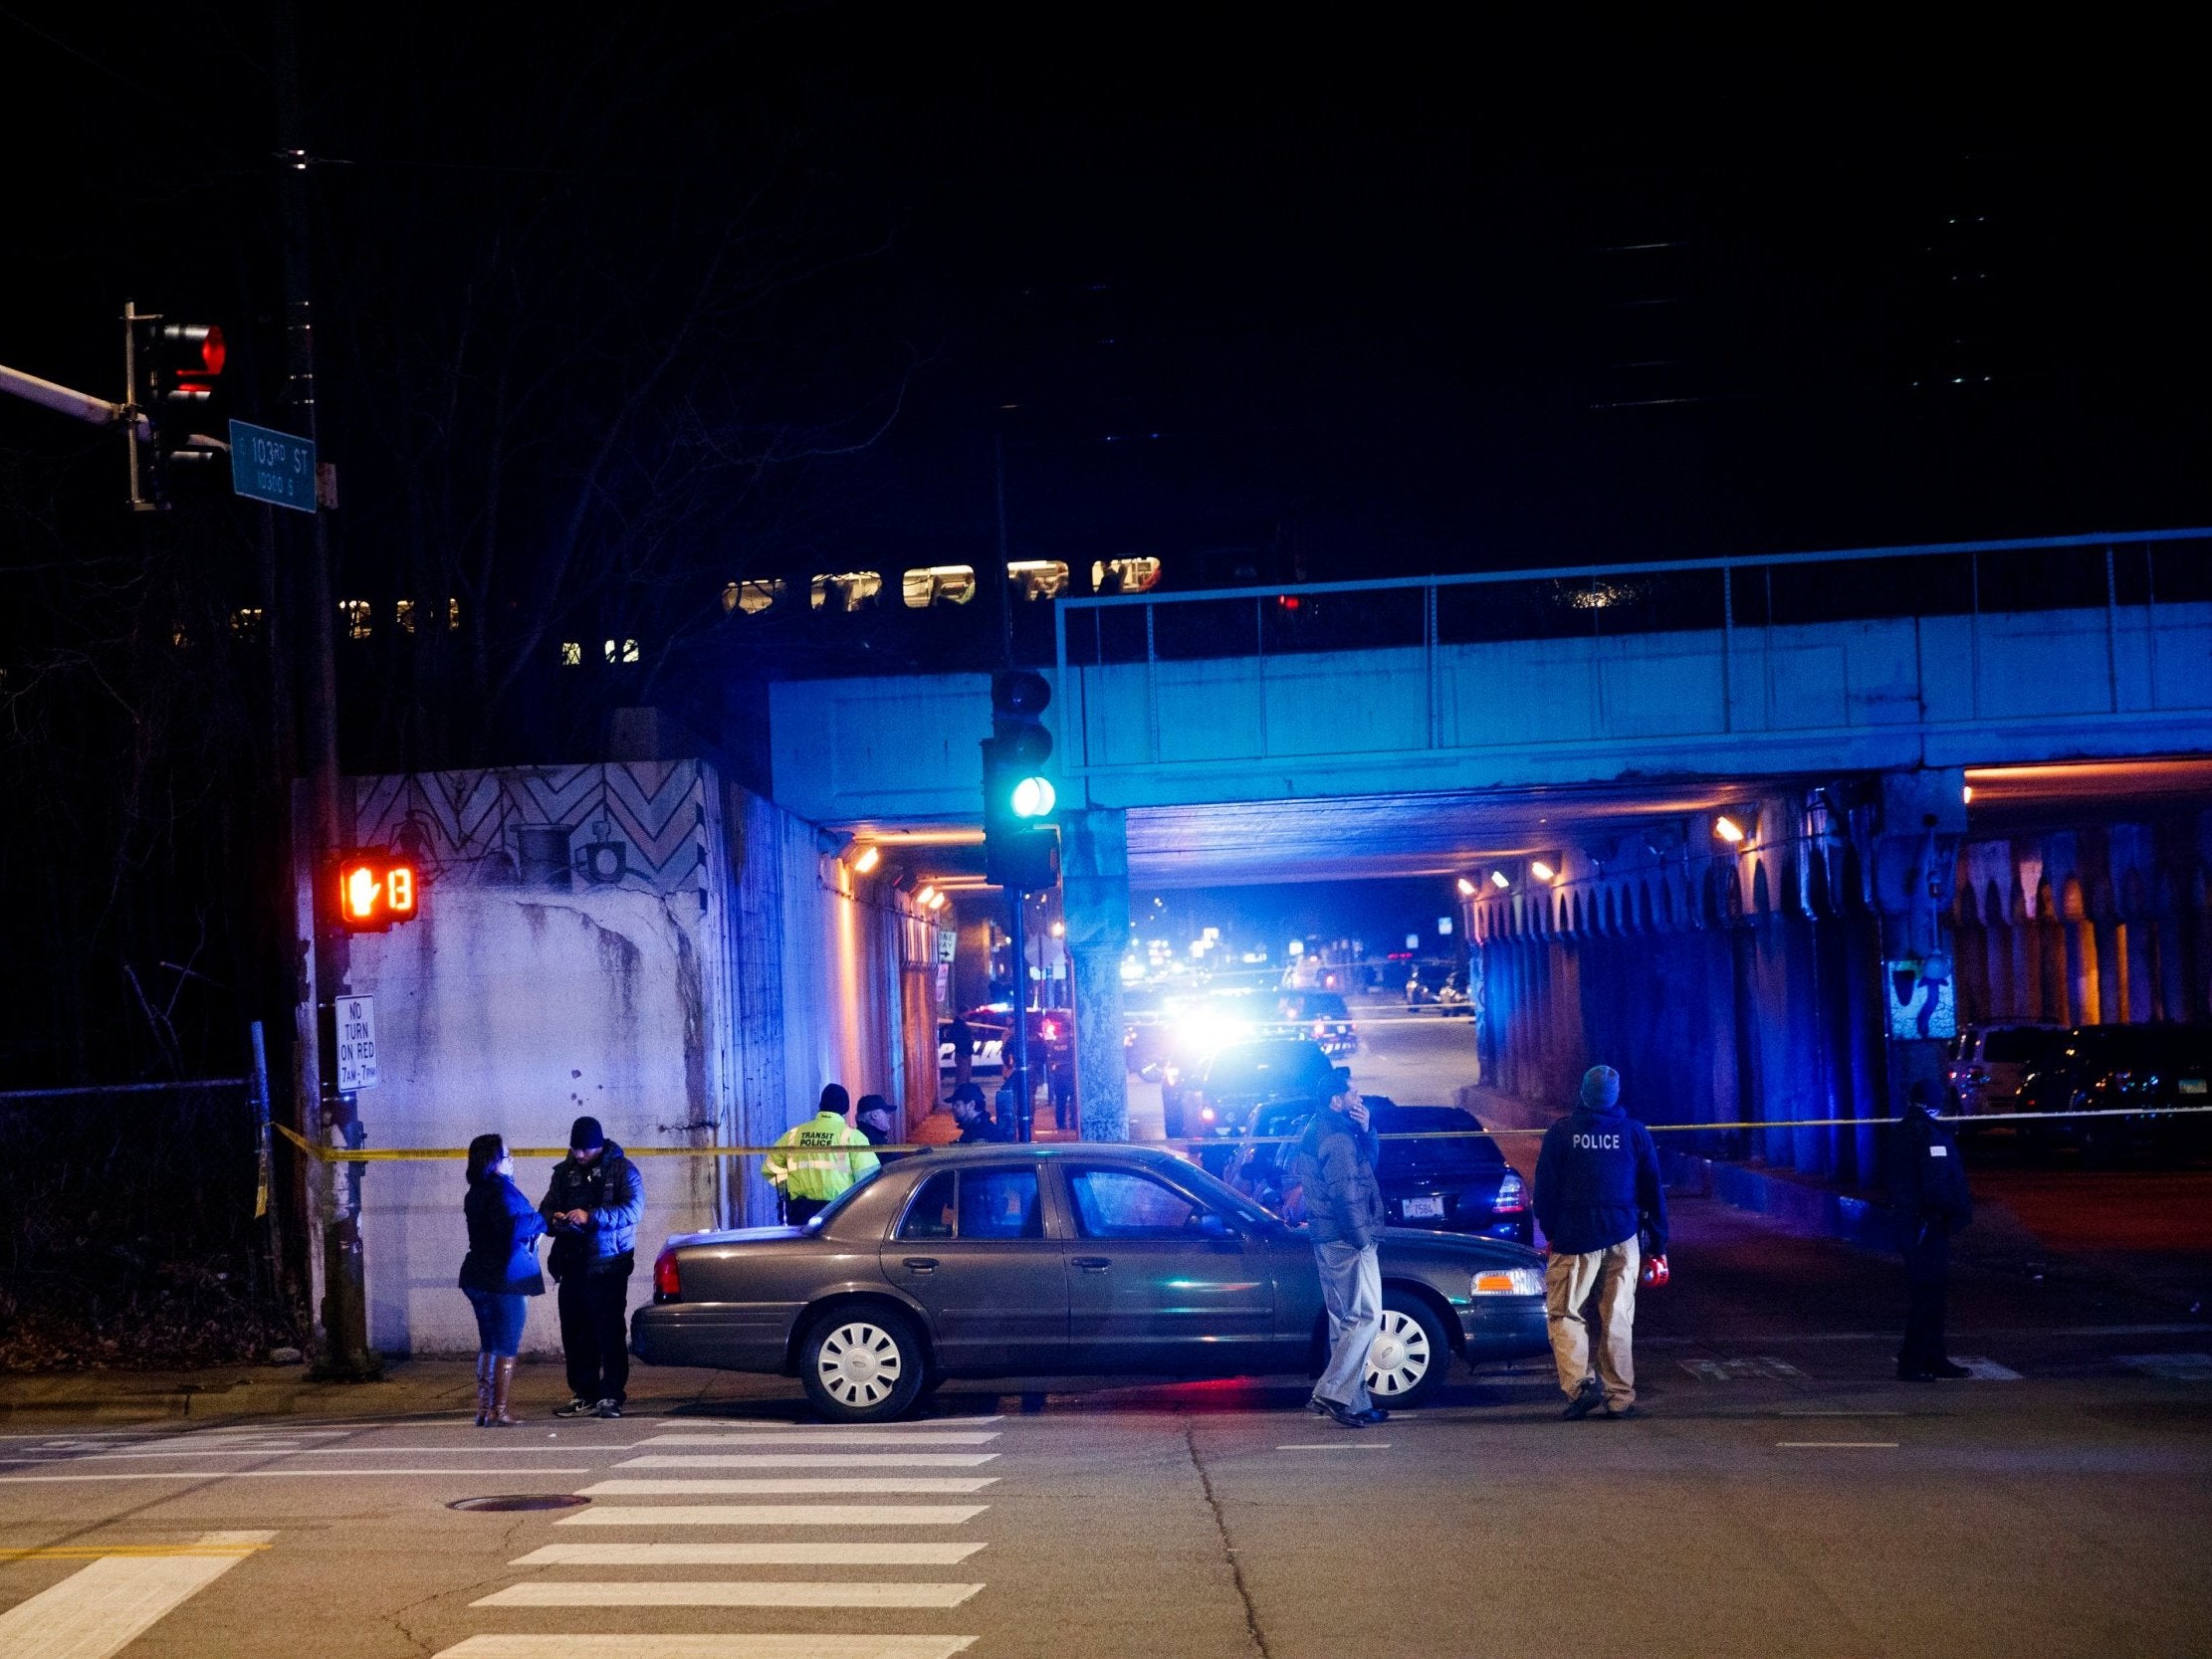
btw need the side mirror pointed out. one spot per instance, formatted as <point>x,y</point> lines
<point>1211,1225</point>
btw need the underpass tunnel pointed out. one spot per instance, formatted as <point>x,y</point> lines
<point>1765,955</point>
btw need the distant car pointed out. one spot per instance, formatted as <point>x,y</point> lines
<point>1050,1261</point>
<point>988,1058</point>
<point>1989,1062</point>
<point>2126,1069</point>
<point>1451,1185</point>
<point>1218,1099</point>
<point>1320,1015</point>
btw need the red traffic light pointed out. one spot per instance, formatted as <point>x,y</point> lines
<point>201,339</point>
<point>374,889</point>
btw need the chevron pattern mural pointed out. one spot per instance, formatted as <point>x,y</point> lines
<point>635,824</point>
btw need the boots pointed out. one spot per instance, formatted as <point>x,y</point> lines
<point>503,1382</point>
<point>484,1365</point>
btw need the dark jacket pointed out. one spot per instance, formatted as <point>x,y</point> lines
<point>1598,1182</point>
<point>1334,1165</point>
<point>610,1189</point>
<point>503,1240</point>
<point>984,1128</point>
<point>1927,1178</point>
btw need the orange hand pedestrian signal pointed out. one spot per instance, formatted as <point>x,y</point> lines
<point>374,889</point>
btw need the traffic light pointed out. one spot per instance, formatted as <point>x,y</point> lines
<point>375,889</point>
<point>1022,853</point>
<point>173,371</point>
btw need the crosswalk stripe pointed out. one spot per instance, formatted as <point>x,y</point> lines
<point>727,1592</point>
<point>826,1437</point>
<point>101,1609</point>
<point>773,1515</point>
<point>710,1647</point>
<point>794,1486</point>
<point>808,1460</point>
<point>843,1553</point>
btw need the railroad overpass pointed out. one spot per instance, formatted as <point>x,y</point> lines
<point>1836,708</point>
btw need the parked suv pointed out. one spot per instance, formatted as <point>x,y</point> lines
<point>1989,1062</point>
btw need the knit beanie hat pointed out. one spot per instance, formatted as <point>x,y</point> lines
<point>1600,1086</point>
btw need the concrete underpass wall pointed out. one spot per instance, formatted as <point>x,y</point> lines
<point>698,994</point>
<point>1725,987</point>
<point>2102,925</point>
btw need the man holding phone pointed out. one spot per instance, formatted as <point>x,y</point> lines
<point>1335,1164</point>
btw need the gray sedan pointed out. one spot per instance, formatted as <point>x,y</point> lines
<point>1046,1261</point>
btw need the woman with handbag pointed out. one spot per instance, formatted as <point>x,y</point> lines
<point>500,1270</point>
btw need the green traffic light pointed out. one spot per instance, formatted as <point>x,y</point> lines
<point>1032,797</point>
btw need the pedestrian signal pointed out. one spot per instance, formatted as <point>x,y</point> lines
<point>374,889</point>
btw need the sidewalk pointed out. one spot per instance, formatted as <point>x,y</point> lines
<point>411,1388</point>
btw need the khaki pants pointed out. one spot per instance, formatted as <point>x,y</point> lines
<point>1568,1282</point>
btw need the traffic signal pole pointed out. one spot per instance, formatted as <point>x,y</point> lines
<point>1025,1097</point>
<point>338,1284</point>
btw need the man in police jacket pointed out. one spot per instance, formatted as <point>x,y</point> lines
<point>1928,1201</point>
<point>1596,1187</point>
<point>813,1162</point>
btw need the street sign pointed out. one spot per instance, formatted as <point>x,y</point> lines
<point>273,467</point>
<point>356,1044</point>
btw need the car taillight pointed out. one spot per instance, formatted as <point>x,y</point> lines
<point>666,1283</point>
<point>1512,1196</point>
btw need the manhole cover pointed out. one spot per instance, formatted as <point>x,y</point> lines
<point>521,1501</point>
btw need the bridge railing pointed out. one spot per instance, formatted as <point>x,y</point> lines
<point>1742,603</point>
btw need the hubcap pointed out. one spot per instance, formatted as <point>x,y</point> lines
<point>1399,1357</point>
<point>860,1365</point>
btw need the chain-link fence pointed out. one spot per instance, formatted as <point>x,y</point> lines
<point>129,1232</point>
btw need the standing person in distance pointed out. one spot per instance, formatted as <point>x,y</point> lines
<point>1334,1163</point>
<point>810,1165</point>
<point>592,1209</point>
<point>1928,1201</point>
<point>962,1037</point>
<point>500,1270</point>
<point>1597,1186</point>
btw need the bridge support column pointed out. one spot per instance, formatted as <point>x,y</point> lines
<point>1094,904</point>
<point>1916,863</point>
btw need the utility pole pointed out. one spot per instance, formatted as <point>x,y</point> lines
<point>336,1279</point>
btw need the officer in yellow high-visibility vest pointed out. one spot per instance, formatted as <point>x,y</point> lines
<point>815,1168</point>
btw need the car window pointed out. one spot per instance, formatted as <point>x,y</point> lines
<point>2007,1048</point>
<point>1123,1205</point>
<point>930,1212</point>
<point>999,1204</point>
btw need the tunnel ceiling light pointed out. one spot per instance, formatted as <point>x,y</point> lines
<point>1966,794</point>
<point>1500,879</point>
<point>1727,829</point>
<point>1542,871</point>
<point>869,858</point>
<point>1466,887</point>
<point>936,899</point>
<point>925,895</point>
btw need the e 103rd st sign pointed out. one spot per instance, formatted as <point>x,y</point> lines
<point>273,467</point>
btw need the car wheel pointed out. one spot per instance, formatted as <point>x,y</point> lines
<point>1412,1355</point>
<point>862,1367</point>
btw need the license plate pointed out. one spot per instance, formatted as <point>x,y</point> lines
<point>2192,1085</point>
<point>1412,1207</point>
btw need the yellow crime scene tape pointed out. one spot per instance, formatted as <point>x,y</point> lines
<point>416,1155</point>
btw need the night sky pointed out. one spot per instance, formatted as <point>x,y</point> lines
<point>1265,304</point>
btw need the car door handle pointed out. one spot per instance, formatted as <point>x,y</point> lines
<point>1092,1264</point>
<point>921,1264</point>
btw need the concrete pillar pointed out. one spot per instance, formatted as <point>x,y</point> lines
<point>1094,903</point>
<point>1915,867</point>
